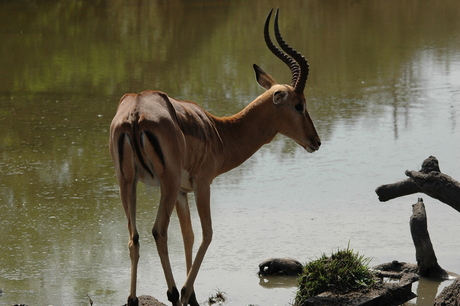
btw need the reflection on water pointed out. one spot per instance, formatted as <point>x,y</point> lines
<point>277,281</point>
<point>383,91</point>
<point>426,290</point>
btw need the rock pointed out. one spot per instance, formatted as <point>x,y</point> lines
<point>147,300</point>
<point>397,266</point>
<point>280,266</point>
<point>450,296</point>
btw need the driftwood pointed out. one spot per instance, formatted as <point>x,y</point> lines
<point>427,263</point>
<point>424,253</point>
<point>432,182</point>
<point>428,180</point>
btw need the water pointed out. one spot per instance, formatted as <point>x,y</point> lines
<point>383,92</point>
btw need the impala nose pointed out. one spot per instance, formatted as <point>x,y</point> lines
<point>313,145</point>
<point>316,144</point>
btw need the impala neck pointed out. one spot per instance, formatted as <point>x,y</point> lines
<point>245,132</point>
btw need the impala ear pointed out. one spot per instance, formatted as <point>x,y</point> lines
<point>263,78</point>
<point>279,96</point>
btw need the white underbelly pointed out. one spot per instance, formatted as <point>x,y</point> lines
<point>186,184</point>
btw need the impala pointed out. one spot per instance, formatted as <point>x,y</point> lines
<point>181,147</point>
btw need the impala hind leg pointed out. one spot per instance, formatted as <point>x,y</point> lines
<point>127,179</point>
<point>133,246</point>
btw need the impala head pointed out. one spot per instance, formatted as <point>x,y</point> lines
<point>289,100</point>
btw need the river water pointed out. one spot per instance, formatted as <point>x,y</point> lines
<point>383,91</point>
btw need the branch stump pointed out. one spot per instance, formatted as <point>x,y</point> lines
<point>424,253</point>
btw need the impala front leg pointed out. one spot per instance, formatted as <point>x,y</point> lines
<point>169,196</point>
<point>202,196</point>
<point>183,212</point>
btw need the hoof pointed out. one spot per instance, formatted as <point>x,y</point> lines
<point>173,296</point>
<point>192,300</point>
<point>133,301</point>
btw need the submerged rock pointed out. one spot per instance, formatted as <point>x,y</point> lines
<point>280,266</point>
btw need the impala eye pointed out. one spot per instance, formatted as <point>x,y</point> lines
<point>299,107</point>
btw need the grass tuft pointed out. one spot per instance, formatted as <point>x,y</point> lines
<point>219,298</point>
<point>342,272</point>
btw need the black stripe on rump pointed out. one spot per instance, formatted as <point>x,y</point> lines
<point>156,145</point>
<point>139,153</point>
<point>120,144</point>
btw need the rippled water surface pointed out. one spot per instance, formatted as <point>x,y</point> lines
<point>383,91</point>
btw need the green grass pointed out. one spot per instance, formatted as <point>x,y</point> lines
<point>342,272</point>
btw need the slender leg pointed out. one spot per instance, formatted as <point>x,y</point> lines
<point>127,180</point>
<point>202,195</point>
<point>133,244</point>
<point>169,197</point>
<point>183,212</point>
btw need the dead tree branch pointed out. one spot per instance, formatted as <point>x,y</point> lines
<point>428,180</point>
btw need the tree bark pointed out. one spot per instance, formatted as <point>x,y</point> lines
<point>424,253</point>
<point>428,180</point>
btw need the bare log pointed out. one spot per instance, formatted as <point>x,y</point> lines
<point>428,180</point>
<point>395,190</point>
<point>424,253</point>
<point>439,186</point>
